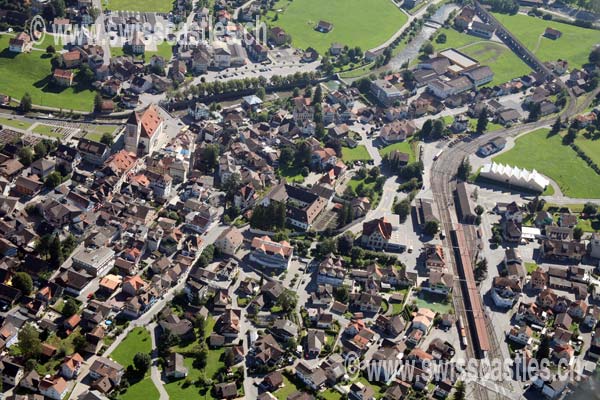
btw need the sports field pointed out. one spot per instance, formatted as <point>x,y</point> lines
<point>158,6</point>
<point>503,62</point>
<point>31,72</point>
<point>557,161</point>
<point>366,24</point>
<point>574,45</point>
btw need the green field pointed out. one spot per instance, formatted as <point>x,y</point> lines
<point>366,24</point>
<point>137,341</point>
<point>559,162</point>
<point>405,147</point>
<point>32,73</point>
<point>14,123</point>
<point>590,147</point>
<point>158,6</point>
<point>48,130</point>
<point>574,45</point>
<point>503,62</point>
<point>359,153</point>
<point>287,389</point>
<point>454,39</point>
<point>95,132</point>
<point>143,389</point>
<point>291,174</point>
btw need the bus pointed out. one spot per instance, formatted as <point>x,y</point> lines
<point>439,153</point>
<point>463,333</point>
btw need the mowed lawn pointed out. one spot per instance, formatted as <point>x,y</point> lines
<point>589,147</point>
<point>137,341</point>
<point>454,39</point>
<point>560,163</point>
<point>574,45</point>
<point>158,6</point>
<point>31,73</point>
<point>366,24</point>
<point>14,123</point>
<point>404,147</point>
<point>505,64</point>
<point>359,153</point>
<point>143,389</point>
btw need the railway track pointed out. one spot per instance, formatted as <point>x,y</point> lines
<point>443,183</point>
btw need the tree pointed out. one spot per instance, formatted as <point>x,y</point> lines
<point>482,121</point>
<point>426,129</point>
<point>229,358</point>
<point>590,208</point>
<point>142,362</point>
<point>288,300</point>
<point>543,349</point>
<point>50,49</point>
<point>318,95</point>
<point>479,210</point>
<point>98,102</point>
<point>25,156</point>
<point>345,243</point>
<point>107,139</point>
<point>261,93</point>
<point>55,252</point>
<point>70,308</point>
<point>428,48</point>
<point>53,180</point>
<point>534,112</point>
<point>374,172</point>
<point>459,392</point>
<point>402,209</point>
<point>40,149</point>
<point>556,127</point>
<point>438,128</point>
<point>59,7</point>
<point>464,170</point>
<point>341,294</point>
<point>431,227</point>
<point>26,103</point>
<point>577,233</point>
<point>481,270</point>
<point>79,343</point>
<point>200,355</point>
<point>594,56</point>
<point>200,324</point>
<point>23,282</point>
<point>29,345</point>
<point>441,38</point>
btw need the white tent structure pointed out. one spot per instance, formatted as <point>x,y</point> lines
<point>514,176</point>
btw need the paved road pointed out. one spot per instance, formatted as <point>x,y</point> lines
<point>154,371</point>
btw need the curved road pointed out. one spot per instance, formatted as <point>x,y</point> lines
<point>443,182</point>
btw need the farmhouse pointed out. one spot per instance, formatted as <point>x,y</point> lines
<point>20,43</point>
<point>63,77</point>
<point>552,33</point>
<point>324,27</point>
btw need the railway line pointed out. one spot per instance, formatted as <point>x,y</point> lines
<point>461,239</point>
